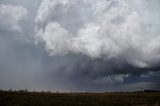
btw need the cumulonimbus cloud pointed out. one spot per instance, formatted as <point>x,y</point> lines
<point>101,29</point>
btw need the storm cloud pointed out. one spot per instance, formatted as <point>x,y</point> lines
<point>100,29</point>
<point>81,45</point>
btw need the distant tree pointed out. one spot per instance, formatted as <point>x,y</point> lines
<point>21,91</point>
<point>10,90</point>
<point>25,90</point>
<point>48,91</point>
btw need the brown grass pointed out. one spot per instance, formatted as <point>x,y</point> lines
<point>79,99</point>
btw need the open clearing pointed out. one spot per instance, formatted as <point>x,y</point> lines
<point>78,99</point>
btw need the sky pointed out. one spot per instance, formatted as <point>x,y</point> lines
<point>80,45</point>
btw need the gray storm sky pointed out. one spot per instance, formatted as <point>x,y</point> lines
<point>83,45</point>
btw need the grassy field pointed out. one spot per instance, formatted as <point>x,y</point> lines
<point>78,99</point>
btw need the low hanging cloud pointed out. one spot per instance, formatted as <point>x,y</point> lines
<point>104,29</point>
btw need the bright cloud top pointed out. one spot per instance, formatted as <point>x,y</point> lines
<point>101,29</point>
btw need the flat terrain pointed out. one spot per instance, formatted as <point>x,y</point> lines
<point>78,99</point>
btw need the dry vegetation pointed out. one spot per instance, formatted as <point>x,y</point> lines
<point>78,99</point>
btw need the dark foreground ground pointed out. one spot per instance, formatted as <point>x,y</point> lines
<point>79,99</point>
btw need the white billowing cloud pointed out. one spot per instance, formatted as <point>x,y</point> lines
<point>10,16</point>
<point>101,29</point>
<point>58,41</point>
<point>112,79</point>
